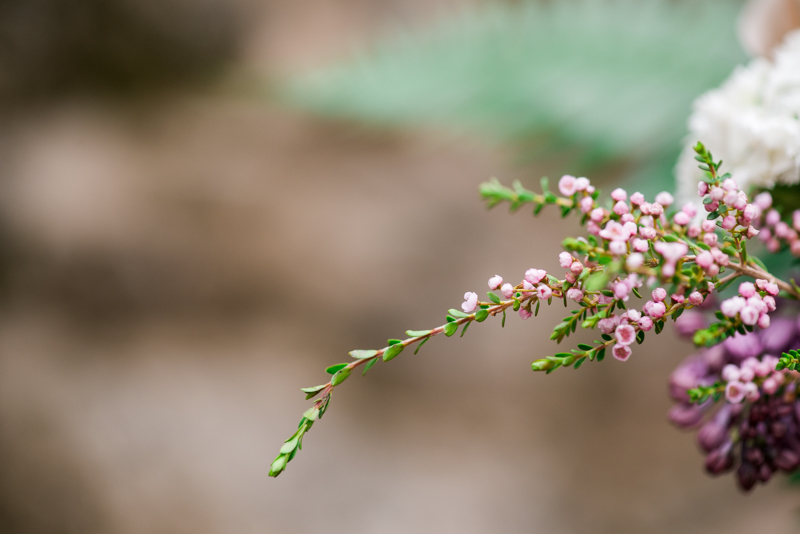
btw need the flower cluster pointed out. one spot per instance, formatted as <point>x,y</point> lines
<point>757,430</point>
<point>751,121</point>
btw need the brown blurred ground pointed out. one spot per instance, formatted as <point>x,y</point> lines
<point>177,266</point>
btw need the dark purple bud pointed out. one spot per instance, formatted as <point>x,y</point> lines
<point>719,460</point>
<point>754,456</point>
<point>787,460</point>
<point>777,337</point>
<point>764,473</point>
<point>777,429</point>
<point>713,433</point>
<point>687,376</point>
<point>740,347</point>
<point>686,415</point>
<point>746,475</point>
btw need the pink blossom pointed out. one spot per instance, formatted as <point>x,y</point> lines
<point>590,189</point>
<point>729,185</point>
<point>657,310</point>
<point>592,228</point>
<point>720,257</point>
<point>544,292</point>
<point>772,218</point>
<point>693,231</point>
<point>717,193</point>
<point>640,245</point>
<point>567,185</point>
<point>749,213</point>
<point>634,261</point>
<point>730,373</point>
<point>741,201</point>
<point>746,374</point>
<point>627,217</point>
<point>730,307</point>
<point>689,209</point>
<point>621,352</point>
<point>672,252</point>
<point>576,267</point>
<point>569,277</point>
<point>751,392</point>
<point>702,189</point>
<point>758,303</point>
<point>680,299</point>
<point>637,198</point>
<point>619,194</point>
<point>630,227</point>
<point>772,289</point>
<point>782,229</point>
<point>565,259</point>
<point>696,298</point>
<point>507,290</point>
<point>770,302</point>
<point>747,290</point>
<point>647,232</point>
<point>729,222</point>
<point>731,198</point>
<point>597,214</point>
<point>581,183</point>
<point>656,209</point>
<point>749,315</point>
<point>534,276</point>
<point>769,386</point>
<point>495,281</point>
<point>763,201</point>
<point>711,207</point>
<point>796,220</point>
<point>734,392</point>
<point>713,270</point>
<point>710,239</point>
<point>633,315</point>
<point>659,294</point>
<point>708,226</point>
<point>625,334</point>
<point>763,321</point>
<point>665,199</point>
<point>621,290</point>
<point>525,314</point>
<point>752,232</point>
<point>575,294</point>
<point>705,259</point>
<point>586,204</point>
<point>681,219</point>
<point>527,287</point>
<point>614,231</point>
<point>470,302</point>
<point>608,325</point>
<point>618,248</point>
<point>795,248</point>
<point>646,324</point>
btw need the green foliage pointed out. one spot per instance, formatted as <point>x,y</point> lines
<point>614,77</point>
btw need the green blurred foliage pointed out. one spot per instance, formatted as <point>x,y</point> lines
<point>612,78</point>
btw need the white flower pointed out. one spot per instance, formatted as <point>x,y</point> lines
<point>752,123</point>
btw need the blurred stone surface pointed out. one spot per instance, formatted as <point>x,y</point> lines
<point>174,270</point>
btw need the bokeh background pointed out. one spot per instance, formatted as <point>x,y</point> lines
<point>205,203</point>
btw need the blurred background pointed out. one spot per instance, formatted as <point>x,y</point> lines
<point>204,203</point>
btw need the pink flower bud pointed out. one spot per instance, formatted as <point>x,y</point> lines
<point>630,229</point>
<point>770,302</point>
<point>730,373</point>
<point>569,277</point>
<point>618,248</point>
<point>763,201</point>
<point>772,218</point>
<point>625,334</point>
<point>696,298</point>
<point>749,212</point>
<point>576,267</point>
<point>730,307</point>
<point>720,257</point>
<point>710,239</point>
<point>495,281</point>
<point>633,315</point>
<point>671,252</point>
<point>717,193</point>
<point>525,314</point>
<point>619,194</point>
<point>608,324</point>
<point>772,289</point>
<point>668,270</point>
<point>581,183</point>
<point>749,315</point>
<point>729,222</point>
<point>656,209</point>
<point>711,207</point>
<point>507,290</point>
<point>758,303</point>
<point>665,199</point>
<point>751,232</point>
<point>746,374</point>
<point>702,189</point>
<point>544,292</point>
<point>657,310</point>
<point>590,189</point>
<point>679,299</point>
<point>734,392</point>
<point>634,261</point>
<point>637,198</point>
<point>470,302</point>
<point>708,226</point>
<point>659,294</point>
<point>597,214</point>
<point>621,290</point>
<point>586,204</point>
<point>751,392</point>
<point>769,386</point>
<point>621,352</point>
<point>640,245</point>
<point>681,218</point>
<point>729,185</point>
<point>575,294</point>
<point>704,259</point>
<point>713,270</point>
<point>782,229</point>
<point>565,259</point>
<point>567,185</point>
<point>693,231</point>
<point>592,228</point>
<point>626,218</point>
<point>796,220</point>
<point>689,209</point>
<point>747,290</point>
<point>534,276</point>
<point>647,233</point>
<point>646,324</point>
<point>731,198</point>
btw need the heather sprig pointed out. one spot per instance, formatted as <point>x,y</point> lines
<point>631,248</point>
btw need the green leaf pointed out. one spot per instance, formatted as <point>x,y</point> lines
<point>579,362</point>
<point>393,341</point>
<point>394,350</point>
<point>333,369</point>
<point>601,354</point>
<point>369,365</point>
<point>494,298</point>
<point>420,345</point>
<point>340,376</point>
<point>450,329</point>
<point>584,346</point>
<point>418,333</point>
<point>459,314</point>
<point>597,281</point>
<point>464,331</point>
<point>481,315</point>
<point>362,354</point>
